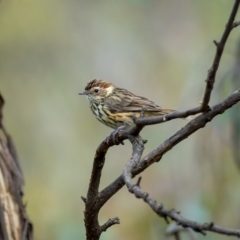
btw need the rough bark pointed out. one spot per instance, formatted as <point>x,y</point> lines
<point>14,222</point>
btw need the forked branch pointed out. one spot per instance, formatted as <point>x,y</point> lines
<point>210,80</point>
<point>95,199</point>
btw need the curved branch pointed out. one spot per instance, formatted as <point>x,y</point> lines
<point>93,200</point>
<point>209,81</point>
<point>220,47</point>
<point>156,154</point>
<point>159,209</point>
<point>93,229</point>
<point>109,223</point>
<point>138,147</point>
<point>96,200</point>
<point>162,211</point>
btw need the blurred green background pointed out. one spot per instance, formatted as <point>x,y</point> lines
<point>49,50</point>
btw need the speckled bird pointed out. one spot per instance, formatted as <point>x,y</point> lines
<point>117,107</point>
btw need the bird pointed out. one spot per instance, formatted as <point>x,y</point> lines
<point>117,107</point>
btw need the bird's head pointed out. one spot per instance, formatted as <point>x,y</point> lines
<point>97,90</point>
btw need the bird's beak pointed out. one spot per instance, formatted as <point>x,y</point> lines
<point>83,93</point>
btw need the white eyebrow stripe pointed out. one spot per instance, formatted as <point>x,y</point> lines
<point>109,90</point>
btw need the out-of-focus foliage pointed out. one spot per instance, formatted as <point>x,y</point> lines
<point>160,49</point>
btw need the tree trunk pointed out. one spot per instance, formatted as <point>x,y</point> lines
<point>14,222</point>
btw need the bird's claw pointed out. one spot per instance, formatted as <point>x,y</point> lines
<point>114,137</point>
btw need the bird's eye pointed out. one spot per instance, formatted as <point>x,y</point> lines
<point>96,90</point>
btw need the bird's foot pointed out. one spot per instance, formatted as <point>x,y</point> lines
<point>144,108</point>
<point>114,136</point>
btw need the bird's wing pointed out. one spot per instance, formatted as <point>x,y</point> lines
<point>131,103</point>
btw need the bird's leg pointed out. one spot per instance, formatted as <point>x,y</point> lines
<point>144,108</point>
<point>114,135</point>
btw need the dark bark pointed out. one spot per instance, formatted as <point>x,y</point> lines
<point>95,199</point>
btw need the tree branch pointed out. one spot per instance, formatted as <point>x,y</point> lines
<point>109,223</point>
<point>95,199</point>
<point>209,81</point>
<point>138,147</point>
<point>156,154</point>
<point>220,47</point>
<point>93,229</point>
<point>162,211</point>
<point>159,209</point>
<point>235,24</point>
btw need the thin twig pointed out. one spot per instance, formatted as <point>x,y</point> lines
<point>162,211</point>
<point>219,50</point>
<point>157,154</point>
<point>95,199</point>
<point>109,223</point>
<point>235,24</point>
<point>209,81</point>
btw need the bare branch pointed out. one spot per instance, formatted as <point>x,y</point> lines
<point>139,181</point>
<point>156,154</point>
<point>159,209</point>
<point>95,199</point>
<point>84,199</point>
<point>174,230</point>
<point>93,229</point>
<point>220,47</point>
<point>162,211</point>
<point>235,24</point>
<point>138,147</point>
<point>216,43</point>
<point>109,223</point>
<point>209,81</point>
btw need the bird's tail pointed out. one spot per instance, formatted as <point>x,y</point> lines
<point>155,113</point>
<point>166,111</point>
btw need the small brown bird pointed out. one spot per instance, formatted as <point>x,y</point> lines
<point>117,107</point>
